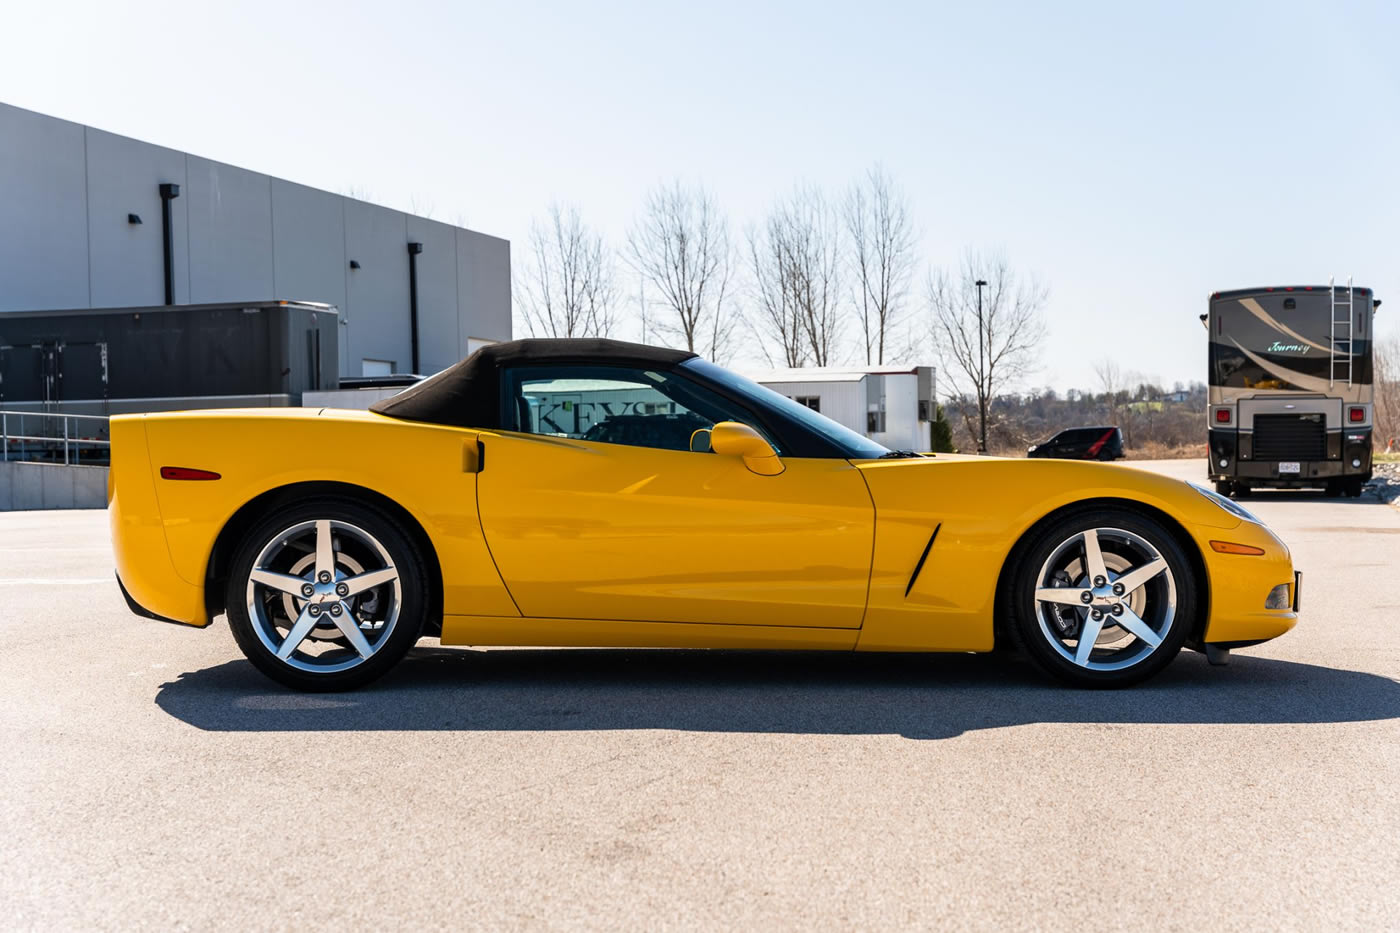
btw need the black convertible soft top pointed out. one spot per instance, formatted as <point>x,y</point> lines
<point>468,394</point>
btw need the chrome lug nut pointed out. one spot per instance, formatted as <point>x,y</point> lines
<point>342,590</point>
<point>1117,589</point>
<point>307,589</point>
<point>1086,597</point>
<point>335,609</point>
<point>315,610</point>
<point>1118,609</point>
<point>1100,581</point>
<point>324,576</point>
<point>1097,614</point>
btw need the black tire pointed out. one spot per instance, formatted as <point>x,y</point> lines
<point>1031,630</point>
<point>411,598</point>
<point>1333,489</point>
<point>1224,489</point>
<point>1241,491</point>
<point>1352,488</point>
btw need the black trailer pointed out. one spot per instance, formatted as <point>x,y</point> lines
<point>113,360</point>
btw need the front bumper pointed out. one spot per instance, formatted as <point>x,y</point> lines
<point>1240,584</point>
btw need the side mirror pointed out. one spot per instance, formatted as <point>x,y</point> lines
<point>732,439</point>
<point>700,441</point>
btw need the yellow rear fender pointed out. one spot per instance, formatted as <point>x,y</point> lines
<point>423,474</point>
<point>231,535</point>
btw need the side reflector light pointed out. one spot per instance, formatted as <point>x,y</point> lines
<point>187,473</point>
<point>1357,415</point>
<point>1230,547</point>
<point>1222,416</point>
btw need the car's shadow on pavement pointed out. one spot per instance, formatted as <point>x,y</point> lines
<point>917,696</point>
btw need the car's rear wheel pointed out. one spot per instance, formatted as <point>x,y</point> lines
<point>326,594</point>
<point>1103,598</point>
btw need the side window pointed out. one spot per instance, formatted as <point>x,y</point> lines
<point>613,405</point>
<point>1071,437</point>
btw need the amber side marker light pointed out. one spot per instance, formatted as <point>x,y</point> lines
<point>186,473</point>
<point>1229,547</point>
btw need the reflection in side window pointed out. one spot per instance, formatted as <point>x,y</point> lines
<point>615,405</point>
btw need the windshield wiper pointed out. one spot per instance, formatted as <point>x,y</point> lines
<point>899,454</point>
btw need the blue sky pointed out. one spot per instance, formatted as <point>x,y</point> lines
<point>1135,156</point>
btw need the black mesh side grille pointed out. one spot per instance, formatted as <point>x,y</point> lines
<point>1290,437</point>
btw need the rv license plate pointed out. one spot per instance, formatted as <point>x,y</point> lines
<point>1290,466</point>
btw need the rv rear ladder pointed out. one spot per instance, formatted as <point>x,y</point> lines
<point>1341,332</point>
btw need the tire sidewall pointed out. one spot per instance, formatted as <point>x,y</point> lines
<point>403,551</point>
<point>1026,620</point>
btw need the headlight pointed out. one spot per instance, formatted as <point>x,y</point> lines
<point>1229,505</point>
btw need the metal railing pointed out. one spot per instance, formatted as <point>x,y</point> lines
<point>48,444</point>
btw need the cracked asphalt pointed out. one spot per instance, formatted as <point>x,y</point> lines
<point>151,778</point>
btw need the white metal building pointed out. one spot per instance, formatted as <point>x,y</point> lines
<point>891,405</point>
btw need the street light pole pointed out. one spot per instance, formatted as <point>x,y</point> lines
<point>981,373</point>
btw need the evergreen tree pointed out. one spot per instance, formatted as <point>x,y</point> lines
<point>941,433</point>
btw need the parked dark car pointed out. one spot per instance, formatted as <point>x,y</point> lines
<point>1102,443</point>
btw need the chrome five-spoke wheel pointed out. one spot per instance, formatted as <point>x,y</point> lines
<point>312,601</point>
<point>1103,598</point>
<point>326,594</point>
<point>1105,610</point>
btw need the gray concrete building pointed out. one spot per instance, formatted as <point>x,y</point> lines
<point>83,225</point>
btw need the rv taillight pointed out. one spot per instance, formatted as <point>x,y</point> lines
<point>1222,416</point>
<point>1357,415</point>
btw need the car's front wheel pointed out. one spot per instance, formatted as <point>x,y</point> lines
<point>327,594</point>
<point>1103,598</point>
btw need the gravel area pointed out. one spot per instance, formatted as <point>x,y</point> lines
<point>1385,483</point>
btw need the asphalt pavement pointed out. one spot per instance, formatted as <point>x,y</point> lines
<point>152,778</point>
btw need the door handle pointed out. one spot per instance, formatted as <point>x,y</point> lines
<point>473,456</point>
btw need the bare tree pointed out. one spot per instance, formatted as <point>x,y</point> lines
<point>877,219</point>
<point>1386,357</point>
<point>1111,383</point>
<point>796,256</point>
<point>989,340</point>
<point>681,247</point>
<point>566,287</point>
<point>776,322</point>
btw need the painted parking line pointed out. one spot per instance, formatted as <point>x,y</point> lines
<point>56,581</point>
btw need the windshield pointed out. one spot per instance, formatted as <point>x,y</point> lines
<point>857,446</point>
<point>1283,341</point>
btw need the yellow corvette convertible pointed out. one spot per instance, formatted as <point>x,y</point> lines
<point>597,493</point>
